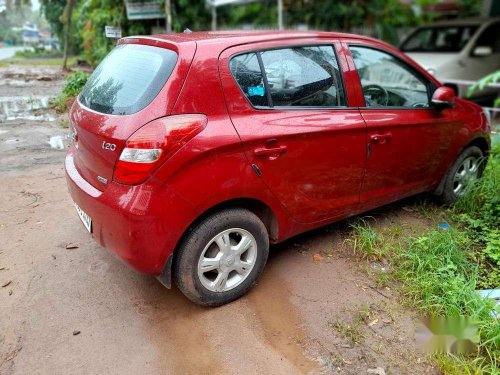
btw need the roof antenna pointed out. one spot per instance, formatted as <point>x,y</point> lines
<point>187,31</point>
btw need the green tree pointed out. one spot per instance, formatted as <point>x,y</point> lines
<point>53,11</point>
<point>68,18</point>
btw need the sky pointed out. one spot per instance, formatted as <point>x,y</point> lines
<point>35,4</point>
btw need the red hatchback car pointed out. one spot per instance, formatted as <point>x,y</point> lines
<point>193,152</point>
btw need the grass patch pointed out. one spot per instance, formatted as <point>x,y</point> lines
<point>353,332</point>
<point>38,54</point>
<point>38,62</point>
<point>478,211</point>
<point>366,242</point>
<point>439,271</point>
<point>439,276</point>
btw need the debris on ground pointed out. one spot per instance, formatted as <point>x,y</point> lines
<point>6,284</point>
<point>318,258</point>
<point>376,371</point>
<point>76,332</point>
<point>71,246</point>
<point>10,356</point>
<point>444,226</point>
<point>378,267</point>
<point>373,322</point>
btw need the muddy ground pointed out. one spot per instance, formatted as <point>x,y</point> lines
<point>81,311</point>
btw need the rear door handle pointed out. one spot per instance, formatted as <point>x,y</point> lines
<point>381,138</point>
<point>263,152</point>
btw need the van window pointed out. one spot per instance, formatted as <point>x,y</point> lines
<point>128,79</point>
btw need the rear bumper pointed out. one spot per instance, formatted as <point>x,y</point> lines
<point>137,223</point>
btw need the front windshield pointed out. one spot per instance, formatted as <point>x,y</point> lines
<point>439,39</point>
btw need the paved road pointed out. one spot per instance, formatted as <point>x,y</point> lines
<point>7,52</point>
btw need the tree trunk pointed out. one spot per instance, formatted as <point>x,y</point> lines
<point>67,31</point>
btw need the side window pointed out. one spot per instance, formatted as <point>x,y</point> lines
<point>489,38</point>
<point>303,77</point>
<point>294,77</point>
<point>246,71</point>
<point>388,82</point>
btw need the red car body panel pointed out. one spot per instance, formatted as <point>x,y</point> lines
<point>331,167</point>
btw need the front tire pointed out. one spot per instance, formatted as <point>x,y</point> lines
<point>221,257</point>
<point>467,168</point>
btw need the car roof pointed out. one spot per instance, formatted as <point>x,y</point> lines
<point>473,21</point>
<point>229,38</point>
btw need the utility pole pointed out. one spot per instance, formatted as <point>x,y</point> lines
<point>280,14</point>
<point>168,16</point>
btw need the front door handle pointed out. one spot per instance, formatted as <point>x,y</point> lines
<point>273,152</point>
<point>381,138</point>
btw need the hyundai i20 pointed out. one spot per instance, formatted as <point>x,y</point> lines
<point>192,153</point>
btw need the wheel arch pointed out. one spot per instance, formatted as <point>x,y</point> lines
<point>262,210</point>
<point>482,142</point>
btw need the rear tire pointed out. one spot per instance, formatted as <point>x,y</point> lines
<point>221,257</point>
<point>468,167</point>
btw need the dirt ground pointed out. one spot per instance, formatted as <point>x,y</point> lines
<point>81,311</point>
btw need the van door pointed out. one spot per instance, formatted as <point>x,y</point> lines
<point>289,107</point>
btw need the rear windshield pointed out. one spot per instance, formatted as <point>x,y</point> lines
<point>128,79</point>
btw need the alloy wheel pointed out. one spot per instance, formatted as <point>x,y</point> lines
<point>467,171</point>
<point>227,260</point>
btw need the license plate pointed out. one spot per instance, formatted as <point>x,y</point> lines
<point>86,220</point>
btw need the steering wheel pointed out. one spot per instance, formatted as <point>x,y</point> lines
<point>420,105</point>
<point>376,94</point>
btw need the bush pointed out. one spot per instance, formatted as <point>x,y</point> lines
<point>74,84</point>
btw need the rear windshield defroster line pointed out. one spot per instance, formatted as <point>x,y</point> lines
<point>128,79</point>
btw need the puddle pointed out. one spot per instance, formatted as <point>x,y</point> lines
<point>25,108</point>
<point>15,82</point>
<point>281,324</point>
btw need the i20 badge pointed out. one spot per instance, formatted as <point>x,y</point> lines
<point>108,146</point>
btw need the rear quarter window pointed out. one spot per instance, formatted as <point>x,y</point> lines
<point>128,79</point>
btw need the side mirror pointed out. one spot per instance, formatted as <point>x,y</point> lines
<point>443,97</point>
<point>482,51</point>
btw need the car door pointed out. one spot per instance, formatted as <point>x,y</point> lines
<point>289,107</point>
<point>406,138</point>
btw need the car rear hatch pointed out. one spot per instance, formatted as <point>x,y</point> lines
<point>136,83</point>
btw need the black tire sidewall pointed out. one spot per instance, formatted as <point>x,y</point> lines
<point>186,260</point>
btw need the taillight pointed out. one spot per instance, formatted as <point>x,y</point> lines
<point>154,143</point>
